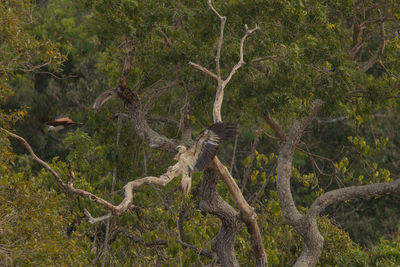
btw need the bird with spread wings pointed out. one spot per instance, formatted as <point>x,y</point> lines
<point>197,157</point>
<point>60,123</point>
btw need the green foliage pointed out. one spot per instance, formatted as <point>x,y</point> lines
<point>57,56</point>
<point>386,253</point>
<point>33,225</point>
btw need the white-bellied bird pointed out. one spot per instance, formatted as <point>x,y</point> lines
<point>197,157</point>
<point>60,123</point>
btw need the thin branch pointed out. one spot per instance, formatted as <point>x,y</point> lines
<point>128,63</point>
<point>233,154</point>
<point>94,220</point>
<point>108,223</point>
<point>241,60</point>
<point>163,242</point>
<point>220,40</point>
<point>276,127</point>
<point>163,119</point>
<point>264,185</point>
<point>366,66</point>
<point>271,58</point>
<point>206,71</point>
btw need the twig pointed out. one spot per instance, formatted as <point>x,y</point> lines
<point>233,154</point>
<point>93,220</point>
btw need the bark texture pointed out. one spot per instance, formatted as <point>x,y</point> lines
<point>223,243</point>
<point>306,225</point>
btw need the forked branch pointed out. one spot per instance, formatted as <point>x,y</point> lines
<point>219,97</point>
<point>306,225</point>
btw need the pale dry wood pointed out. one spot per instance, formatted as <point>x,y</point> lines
<point>203,69</point>
<point>219,96</point>
<point>126,203</point>
<point>220,40</point>
<point>247,213</point>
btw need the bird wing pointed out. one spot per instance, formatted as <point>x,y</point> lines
<point>208,141</point>
<point>61,121</point>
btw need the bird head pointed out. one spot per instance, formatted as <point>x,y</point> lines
<point>181,150</point>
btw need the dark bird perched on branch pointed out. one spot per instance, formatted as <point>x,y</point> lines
<point>197,157</point>
<point>60,123</point>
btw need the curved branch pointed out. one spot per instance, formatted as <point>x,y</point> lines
<point>222,83</point>
<point>313,240</point>
<point>351,192</point>
<point>134,106</point>
<point>126,203</point>
<point>285,158</point>
<point>203,69</point>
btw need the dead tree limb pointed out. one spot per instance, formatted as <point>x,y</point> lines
<point>219,96</point>
<point>247,214</point>
<point>126,203</point>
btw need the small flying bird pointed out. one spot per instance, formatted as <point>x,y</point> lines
<point>197,157</point>
<point>60,123</point>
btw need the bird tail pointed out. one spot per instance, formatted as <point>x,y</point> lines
<point>186,184</point>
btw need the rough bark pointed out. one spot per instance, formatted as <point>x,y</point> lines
<point>306,225</point>
<point>247,213</point>
<point>223,243</point>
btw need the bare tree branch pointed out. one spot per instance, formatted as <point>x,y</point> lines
<point>241,60</point>
<point>135,111</point>
<point>247,213</point>
<point>222,83</point>
<point>351,192</point>
<point>286,152</point>
<point>306,225</point>
<point>206,71</point>
<point>276,127</point>
<point>220,40</point>
<point>94,220</point>
<point>126,203</point>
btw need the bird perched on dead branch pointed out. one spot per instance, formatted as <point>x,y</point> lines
<point>197,157</point>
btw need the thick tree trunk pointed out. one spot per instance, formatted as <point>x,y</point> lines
<point>223,243</point>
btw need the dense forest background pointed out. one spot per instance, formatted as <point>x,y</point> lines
<point>57,57</point>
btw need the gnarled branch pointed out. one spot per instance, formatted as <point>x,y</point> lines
<point>126,203</point>
<point>306,225</point>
